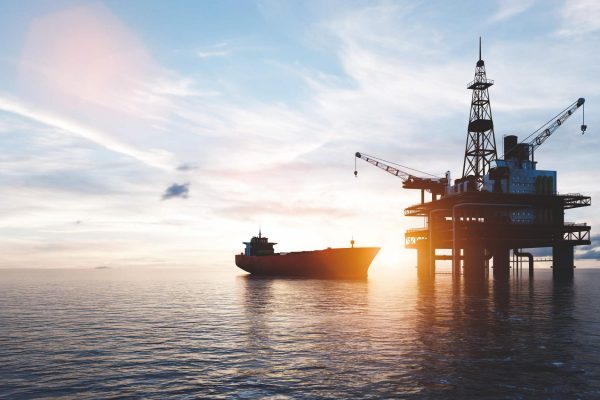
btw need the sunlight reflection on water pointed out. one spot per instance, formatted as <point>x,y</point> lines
<point>214,332</point>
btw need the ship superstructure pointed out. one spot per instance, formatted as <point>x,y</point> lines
<point>259,246</point>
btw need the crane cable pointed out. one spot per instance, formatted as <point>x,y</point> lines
<point>583,125</point>
<point>551,120</point>
<point>391,162</point>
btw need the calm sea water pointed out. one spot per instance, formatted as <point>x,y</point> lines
<point>217,333</point>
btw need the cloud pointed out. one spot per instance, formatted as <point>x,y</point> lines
<point>82,56</point>
<point>579,18</point>
<point>214,53</point>
<point>175,86</point>
<point>83,70</point>
<point>177,190</point>
<point>590,251</point>
<point>244,210</point>
<point>216,50</point>
<point>156,159</point>
<point>510,8</point>
<point>187,167</point>
<point>593,254</point>
<point>540,251</point>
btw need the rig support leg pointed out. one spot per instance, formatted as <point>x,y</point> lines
<point>501,263</point>
<point>456,262</point>
<point>432,263</point>
<point>474,259</point>
<point>563,262</point>
<point>423,261</point>
<point>529,259</point>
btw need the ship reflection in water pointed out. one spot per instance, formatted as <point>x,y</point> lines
<point>213,333</point>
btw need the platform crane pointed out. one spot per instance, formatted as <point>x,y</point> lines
<point>517,172</point>
<point>435,185</point>
<point>545,131</point>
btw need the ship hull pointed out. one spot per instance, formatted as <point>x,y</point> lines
<point>329,263</point>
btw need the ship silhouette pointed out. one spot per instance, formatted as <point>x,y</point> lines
<point>259,258</point>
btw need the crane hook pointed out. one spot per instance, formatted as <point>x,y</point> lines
<point>583,125</point>
<point>355,171</point>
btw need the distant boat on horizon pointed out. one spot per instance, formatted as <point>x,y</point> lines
<point>259,258</point>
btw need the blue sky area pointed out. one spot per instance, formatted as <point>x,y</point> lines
<point>140,133</point>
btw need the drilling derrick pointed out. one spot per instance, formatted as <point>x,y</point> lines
<point>480,149</point>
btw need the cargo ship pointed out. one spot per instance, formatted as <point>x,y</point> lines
<point>259,258</point>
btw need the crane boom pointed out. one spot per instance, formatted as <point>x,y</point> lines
<point>546,130</point>
<point>435,185</point>
<point>387,168</point>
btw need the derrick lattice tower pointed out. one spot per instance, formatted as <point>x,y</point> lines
<point>480,148</point>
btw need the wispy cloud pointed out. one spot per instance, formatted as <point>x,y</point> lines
<point>251,210</point>
<point>152,158</point>
<point>187,167</point>
<point>510,8</point>
<point>221,49</point>
<point>579,17</point>
<point>213,53</point>
<point>167,84</point>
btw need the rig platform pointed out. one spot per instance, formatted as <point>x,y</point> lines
<point>481,226</point>
<point>499,205</point>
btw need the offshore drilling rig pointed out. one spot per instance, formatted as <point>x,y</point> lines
<point>499,205</point>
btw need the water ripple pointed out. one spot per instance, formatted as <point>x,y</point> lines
<point>210,333</point>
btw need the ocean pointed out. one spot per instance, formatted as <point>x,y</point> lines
<point>219,333</point>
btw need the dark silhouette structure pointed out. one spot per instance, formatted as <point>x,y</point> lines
<point>259,258</point>
<point>480,149</point>
<point>498,205</point>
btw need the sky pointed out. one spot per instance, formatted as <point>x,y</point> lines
<point>164,133</point>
